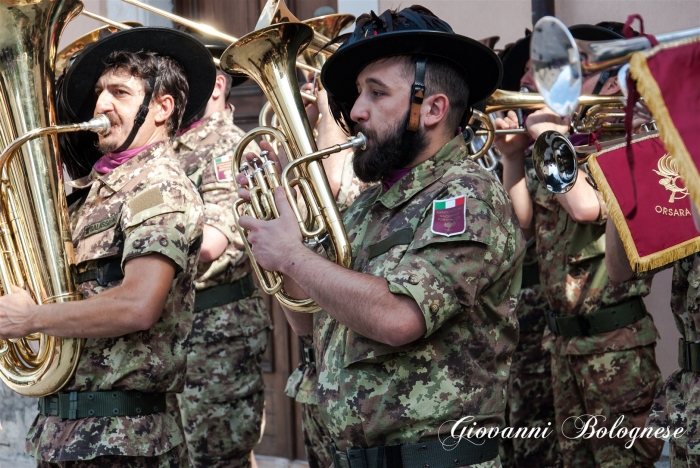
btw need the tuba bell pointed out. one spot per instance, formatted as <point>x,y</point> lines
<point>35,241</point>
<point>268,56</point>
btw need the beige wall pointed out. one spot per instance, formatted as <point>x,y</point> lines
<point>509,18</point>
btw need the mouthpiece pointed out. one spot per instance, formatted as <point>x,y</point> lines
<point>99,124</point>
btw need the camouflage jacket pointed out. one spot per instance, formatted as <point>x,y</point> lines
<point>206,154</point>
<point>677,405</point>
<point>301,385</point>
<point>145,206</point>
<point>572,268</point>
<point>466,286</point>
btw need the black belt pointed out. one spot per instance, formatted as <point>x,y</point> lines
<point>425,454</point>
<point>688,355</point>
<point>531,275</point>
<point>224,294</point>
<point>601,321</point>
<point>307,354</point>
<point>110,403</point>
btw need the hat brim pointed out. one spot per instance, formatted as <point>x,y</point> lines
<point>482,67</point>
<point>236,78</point>
<point>192,55</point>
<point>514,62</point>
<point>590,32</point>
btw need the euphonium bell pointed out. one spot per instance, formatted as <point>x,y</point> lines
<point>268,56</point>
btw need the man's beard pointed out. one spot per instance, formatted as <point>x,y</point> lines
<point>104,147</point>
<point>382,157</point>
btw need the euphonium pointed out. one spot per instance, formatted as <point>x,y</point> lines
<point>268,56</point>
<point>35,235</point>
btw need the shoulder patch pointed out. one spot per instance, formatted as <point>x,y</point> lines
<point>100,226</point>
<point>143,201</point>
<point>223,167</point>
<point>449,216</point>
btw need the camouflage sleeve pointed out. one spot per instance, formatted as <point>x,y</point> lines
<point>218,196</point>
<point>603,216</point>
<point>444,274</point>
<point>160,218</point>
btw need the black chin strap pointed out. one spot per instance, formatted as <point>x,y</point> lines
<point>417,95</point>
<point>140,117</point>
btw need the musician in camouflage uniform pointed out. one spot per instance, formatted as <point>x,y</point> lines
<point>136,222</point>
<point>420,332</point>
<point>530,374</point>
<point>677,404</point>
<point>223,401</point>
<point>600,335</point>
<point>303,383</point>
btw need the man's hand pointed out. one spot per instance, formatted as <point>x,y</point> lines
<point>510,146</point>
<point>274,242</point>
<point>16,314</point>
<point>242,180</point>
<point>546,119</point>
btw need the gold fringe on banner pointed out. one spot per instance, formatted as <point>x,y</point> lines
<point>648,262</point>
<point>650,91</point>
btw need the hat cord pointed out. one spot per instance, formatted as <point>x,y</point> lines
<point>417,94</point>
<point>140,115</point>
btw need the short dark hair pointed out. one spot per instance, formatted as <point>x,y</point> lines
<point>170,79</point>
<point>445,77</point>
<point>229,82</point>
<point>441,77</point>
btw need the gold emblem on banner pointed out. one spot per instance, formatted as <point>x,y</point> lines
<point>670,178</point>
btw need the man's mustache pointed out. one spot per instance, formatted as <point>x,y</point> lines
<point>113,119</point>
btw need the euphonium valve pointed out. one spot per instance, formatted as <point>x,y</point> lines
<point>268,56</point>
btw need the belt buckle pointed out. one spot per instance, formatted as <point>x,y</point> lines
<point>552,322</point>
<point>340,459</point>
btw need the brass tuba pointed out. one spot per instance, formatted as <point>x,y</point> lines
<point>35,239</point>
<point>268,56</point>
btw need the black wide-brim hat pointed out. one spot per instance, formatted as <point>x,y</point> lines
<point>482,67</point>
<point>590,32</point>
<point>79,85</point>
<point>514,61</point>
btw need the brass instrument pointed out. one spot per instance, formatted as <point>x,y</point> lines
<point>556,160</point>
<point>598,109</point>
<point>268,57</point>
<point>559,62</point>
<point>274,11</point>
<point>34,230</point>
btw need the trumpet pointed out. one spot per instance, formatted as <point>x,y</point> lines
<point>599,110</point>
<point>556,160</point>
<point>559,62</point>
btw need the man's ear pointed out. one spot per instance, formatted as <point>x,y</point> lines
<point>434,110</point>
<point>219,86</point>
<point>612,86</point>
<point>164,106</point>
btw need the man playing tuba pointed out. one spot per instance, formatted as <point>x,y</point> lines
<point>135,221</point>
<point>421,330</point>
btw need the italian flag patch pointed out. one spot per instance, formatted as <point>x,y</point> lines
<point>449,216</point>
<point>223,168</point>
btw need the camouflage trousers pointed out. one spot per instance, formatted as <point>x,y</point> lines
<point>167,460</point>
<point>223,400</point>
<point>317,440</point>
<point>606,385</point>
<point>530,381</point>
